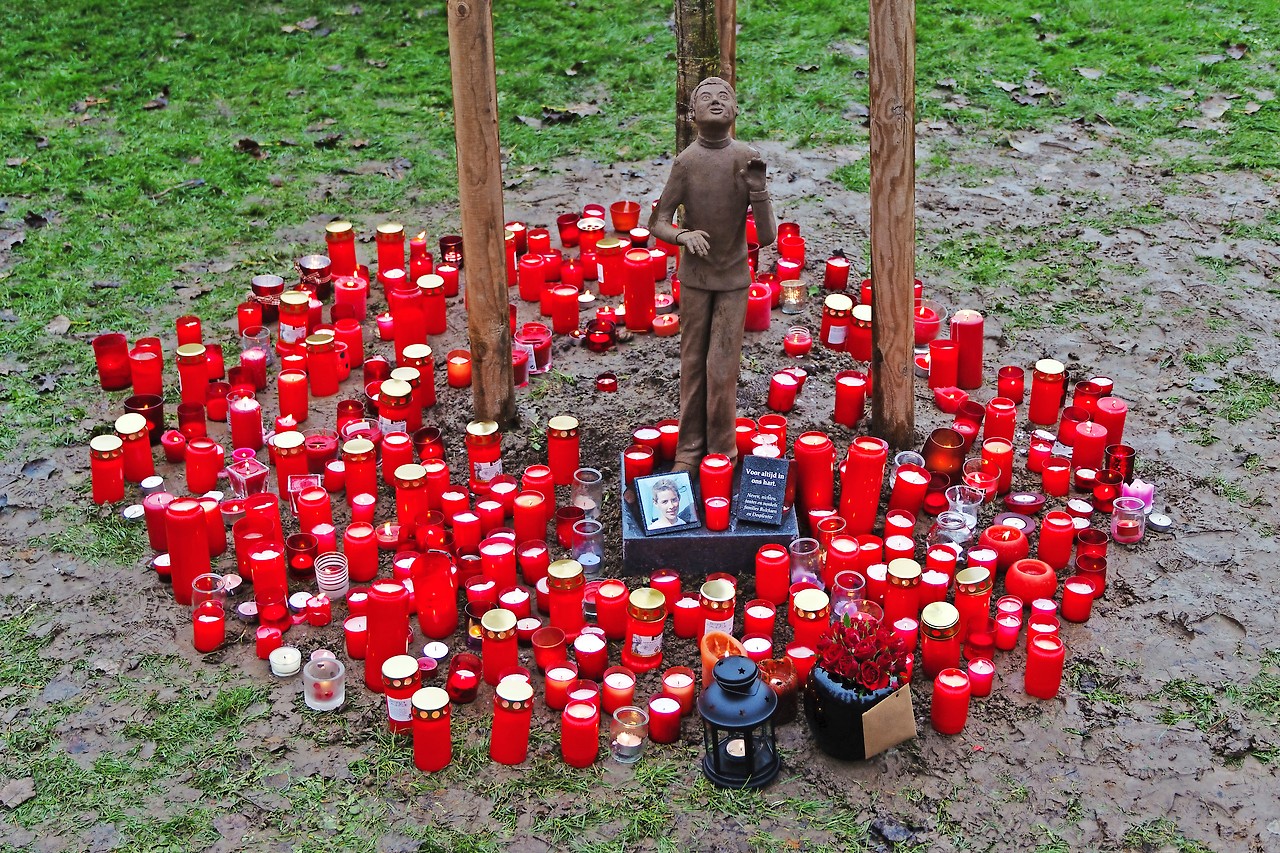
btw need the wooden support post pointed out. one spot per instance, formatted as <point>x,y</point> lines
<point>475,119</point>
<point>697,58</point>
<point>892,54</point>
<point>727,24</point>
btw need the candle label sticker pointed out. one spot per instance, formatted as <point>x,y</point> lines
<point>292,334</point>
<point>761,490</point>
<point>400,710</point>
<point>392,426</point>
<point>725,625</point>
<point>836,335</point>
<point>646,647</point>
<point>486,471</point>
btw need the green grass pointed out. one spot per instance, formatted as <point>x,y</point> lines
<point>1161,834</point>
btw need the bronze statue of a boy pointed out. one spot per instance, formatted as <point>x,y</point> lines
<point>716,179</point>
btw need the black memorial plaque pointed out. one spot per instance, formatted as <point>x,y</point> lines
<point>761,489</point>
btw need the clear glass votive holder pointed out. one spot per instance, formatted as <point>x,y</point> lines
<point>587,492</point>
<point>627,734</point>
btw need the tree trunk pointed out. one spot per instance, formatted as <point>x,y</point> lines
<point>892,54</point>
<point>697,58</point>
<point>475,116</point>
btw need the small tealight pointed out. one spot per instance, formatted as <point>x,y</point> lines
<point>285,661</point>
<point>232,582</point>
<point>298,602</point>
<point>435,650</point>
<point>247,611</point>
<point>1159,522</point>
<point>151,485</point>
<point>323,654</point>
<point>132,513</point>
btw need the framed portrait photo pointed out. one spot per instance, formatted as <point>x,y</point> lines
<point>665,503</point>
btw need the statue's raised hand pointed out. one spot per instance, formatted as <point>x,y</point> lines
<point>694,241</point>
<point>754,175</point>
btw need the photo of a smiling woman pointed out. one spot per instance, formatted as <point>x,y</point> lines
<point>666,502</point>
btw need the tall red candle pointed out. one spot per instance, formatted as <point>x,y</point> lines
<point>1110,412</point>
<point>432,740</point>
<point>944,363</point>
<point>773,577</point>
<point>499,651</point>
<point>580,734</point>
<point>646,615</point>
<point>388,614</point>
<point>512,715</point>
<point>815,456</point>
<point>106,468</point>
<point>860,485</point>
<point>1091,441</point>
<point>435,594</point>
<point>188,545</point>
<point>851,395</point>
<point>638,290</point>
<point>565,584</point>
<point>1057,535</point>
<point>1048,382</point>
<point>966,331</point>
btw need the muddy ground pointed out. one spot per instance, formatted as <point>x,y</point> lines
<point>1144,267</point>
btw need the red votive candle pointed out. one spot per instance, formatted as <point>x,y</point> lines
<point>950,707</point>
<point>1010,383</point>
<point>687,616</point>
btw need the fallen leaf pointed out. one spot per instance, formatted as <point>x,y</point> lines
<point>288,143</point>
<point>308,24</point>
<point>571,112</point>
<point>1090,73</point>
<point>251,147</point>
<point>1036,18</point>
<point>1251,108</point>
<point>58,325</point>
<point>105,285</point>
<point>288,28</point>
<point>1137,101</point>
<point>806,68</point>
<point>354,11</point>
<point>185,185</point>
<point>1008,87</point>
<point>1025,144</point>
<point>17,792</point>
<point>9,239</point>
<point>572,70</point>
<point>294,93</point>
<point>47,383</point>
<point>91,101</point>
<point>358,144</point>
<point>1237,51</point>
<point>1214,108</point>
<point>857,110</point>
<point>947,83</point>
<point>321,125</point>
<point>222,266</point>
<point>1261,94</point>
<point>329,140</point>
<point>38,220</point>
<point>1024,100</point>
<point>15,161</point>
<point>529,122</point>
<point>1211,59</point>
<point>334,68</point>
<point>376,63</point>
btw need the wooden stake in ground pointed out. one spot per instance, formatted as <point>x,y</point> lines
<point>892,54</point>
<point>727,25</point>
<point>475,119</point>
<point>697,58</point>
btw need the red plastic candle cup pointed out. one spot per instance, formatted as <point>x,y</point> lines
<point>1055,476</point>
<point>533,558</point>
<point>1008,626</point>
<point>1077,598</point>
<point>111,355</point>
<point>1092,543</point>
<point>550,651</point>
<point>1010,383</point>
<point>773,567</point>
<point>617,689</point>
<point>1057,535</point>
<point>836,273</point>
<point>637,461</point>
<point>759,617</point>
<point>981,676</point>
<point>950,707</point>
<point>667,582</point>
<point>458,367</point>
<point>356,633</point>
<point>512,715</point>
<point>687,616</point>
<point>679,684</point>
<point>664,719</point>
<point>944,355</point>
<point>463,680</point>
<point>716,511</point>
<point>1045,657</point>
<point>861,483</point>
<point>802,657</point>
<point>1047,388</point>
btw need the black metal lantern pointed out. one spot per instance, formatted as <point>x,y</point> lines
<point>737,726</point>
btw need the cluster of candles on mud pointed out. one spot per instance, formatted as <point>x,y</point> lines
<point>483,530</point>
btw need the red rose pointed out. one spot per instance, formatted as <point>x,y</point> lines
<point>869,675</point>
<point>864,650</point>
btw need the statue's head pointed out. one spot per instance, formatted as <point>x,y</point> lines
<point>713,104</point>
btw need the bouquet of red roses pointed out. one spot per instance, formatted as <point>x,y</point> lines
<point>864,653</point>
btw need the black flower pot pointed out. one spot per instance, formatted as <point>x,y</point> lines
<point>834,709</point>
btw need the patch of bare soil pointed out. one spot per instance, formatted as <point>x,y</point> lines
<point>1150,267</point>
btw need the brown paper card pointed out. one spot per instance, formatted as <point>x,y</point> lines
<point>890,722</point>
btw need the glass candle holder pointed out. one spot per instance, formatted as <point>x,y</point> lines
<point>966,500</point>
<point>627,733</point>
<point>805,560</point>
<point>324,684</point>
<point>944,452</point>
<point>1128,520</point>
<point>793,296</point>
<point>587,492</point>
